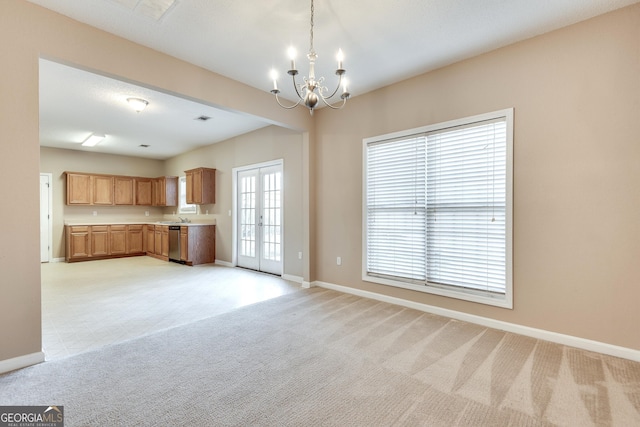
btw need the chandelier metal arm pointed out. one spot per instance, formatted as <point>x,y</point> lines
<point>295,85</point>
<point>339,73</point>
<point>335,106</point>
<point>288,107</point>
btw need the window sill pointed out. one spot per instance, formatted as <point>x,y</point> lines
<point>502,301</point>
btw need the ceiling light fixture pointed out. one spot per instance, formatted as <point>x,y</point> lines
<point>312,89</point>
<point>138,104</point>
<point>93,140</point>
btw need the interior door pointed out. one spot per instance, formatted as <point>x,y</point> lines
<point>259,221</point>
<point>45,217</point>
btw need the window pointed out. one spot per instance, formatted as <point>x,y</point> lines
<point>183,207</point>
<point>437,209</point>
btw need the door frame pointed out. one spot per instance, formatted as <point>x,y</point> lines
<point>50,214</point>
<point>234,207</point>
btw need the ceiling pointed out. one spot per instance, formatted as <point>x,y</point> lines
<point>384,41</point>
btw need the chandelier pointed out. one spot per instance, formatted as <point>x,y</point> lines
<point>312,91</point>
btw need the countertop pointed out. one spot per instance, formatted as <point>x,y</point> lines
<point>182,224</point>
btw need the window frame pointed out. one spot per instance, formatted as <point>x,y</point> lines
<point>184,208</point>
<point>499,300</point>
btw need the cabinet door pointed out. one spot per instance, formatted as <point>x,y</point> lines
<point>99,240</point>
<point>189,182</point>
<point>158,242</point>
<point>102,190</point>
<point>78,189</point>
<point>165,241</point>
<point>197,186</point>
<point>151,239</point>
<point>144,191</point>
<point>123,190</point>
<point>135,239</point>
<point>159,197</point>
<point>184,243</point>
<point>78,246</point>
<point>118,240</point>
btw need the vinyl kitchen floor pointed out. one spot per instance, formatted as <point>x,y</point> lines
<point>87,305</point>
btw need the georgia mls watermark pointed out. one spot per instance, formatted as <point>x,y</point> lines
<point>31,416</point>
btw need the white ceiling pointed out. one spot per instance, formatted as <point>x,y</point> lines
<point>384,41</point>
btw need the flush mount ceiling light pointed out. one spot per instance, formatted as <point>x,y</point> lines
<point>138,104</point>
<point>93,140</point>
<point>312,91</point>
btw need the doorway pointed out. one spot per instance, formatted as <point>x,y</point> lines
<point>46,232</point>
<point>259,219</point>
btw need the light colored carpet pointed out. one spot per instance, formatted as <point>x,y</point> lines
<point>319,357</point>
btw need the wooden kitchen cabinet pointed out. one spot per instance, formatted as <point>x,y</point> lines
<point>143,191</point>
<point>123,190</point>
<point>198,244</point>
<point>165,191</point>
<point>88,189</point>
<point>117,240</point>
<point>201,186</point>
<point>159,242</point>
<point>99,238</point>
<point>78,189</point>
<point>135,239</point>
<point>77,242</point>
<point>102,189</point>
<point>151,239</point>
<point>165,241</point>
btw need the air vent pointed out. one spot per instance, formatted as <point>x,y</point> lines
<point>144,145</point>
<point>203,118</point>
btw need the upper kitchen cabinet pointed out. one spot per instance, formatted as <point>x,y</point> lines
<point>165,191</point>
<point>123,190</point>
<point>87,189</point>
<point>78,189</point>
<point>201,186</point>
<point>144,191</point>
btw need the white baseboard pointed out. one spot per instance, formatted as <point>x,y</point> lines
<point>568,340</point>
<point>21,362</point>
<point>224,263</point>
<point>308,285</point>
<point>292,278</point>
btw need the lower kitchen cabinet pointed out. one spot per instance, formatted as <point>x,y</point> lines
<point>99,238</point>
<point>77,240</point>
<point>118,240</point>
<point>92,242</point>
<point>158,241</point>
<point>86,242</point>
<point>135,239</point>
<point>198,244</point>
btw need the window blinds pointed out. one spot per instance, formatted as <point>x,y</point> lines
<point>436,207</point>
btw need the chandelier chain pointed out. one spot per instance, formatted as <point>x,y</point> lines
<point>311,31</point>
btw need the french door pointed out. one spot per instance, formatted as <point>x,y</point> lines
<point>259,219</point>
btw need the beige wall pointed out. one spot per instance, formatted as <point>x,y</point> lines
<point>576,95</point>
<point>28,32</point>
<point>56,161</point>
<point>267,144</point>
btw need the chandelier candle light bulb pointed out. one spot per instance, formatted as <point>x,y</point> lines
<point>311,90</point>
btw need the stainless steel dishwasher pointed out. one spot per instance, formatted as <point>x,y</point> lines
<point>174,243</point>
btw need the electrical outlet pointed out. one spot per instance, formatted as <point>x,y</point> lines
<point>146,213</point>
<point>299,255</point>
<point>95,213</point>
<point>229,212</point>
<point>339,260</point>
